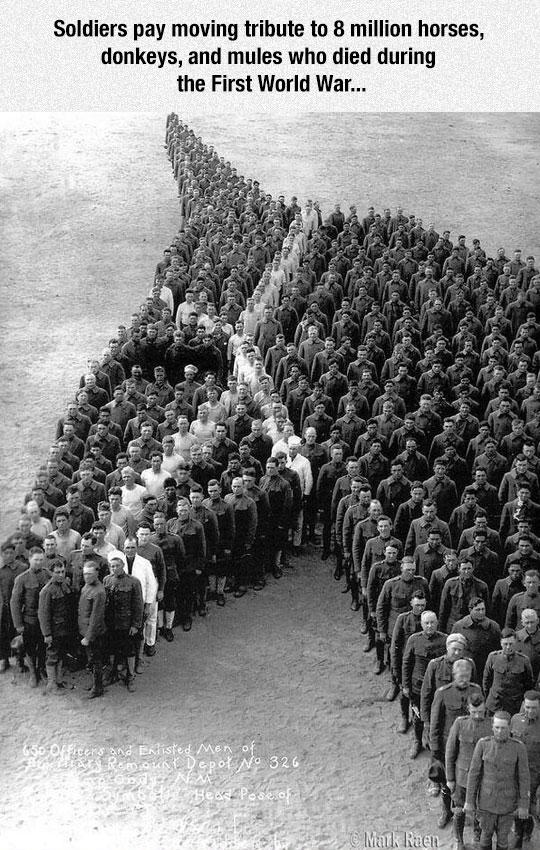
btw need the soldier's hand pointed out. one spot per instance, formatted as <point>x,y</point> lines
<point>85,642</point>
<point>468,807</point>
<point>451,786</point>
<point>147,606</point>
<point>198,572</point>
<point>227,553</point>
<point>522,814</point>
<point>133,631</point>
<point>48,640</point>
<point>160,596</point>
<point>406,692</point>
<point>383,637</point>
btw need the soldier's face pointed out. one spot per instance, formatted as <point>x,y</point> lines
<point>501,729</point>
<point>478,712</point>
<point>531,708</point>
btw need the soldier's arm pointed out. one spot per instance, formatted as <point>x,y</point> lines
<point>474,776</point>
<point>97,616</point>
<point>487,680</point>
<point>16,605</point>
<point>407,665</point>
<point>137,606</point>
<point>436,726</point>
<point>382,609</point>
<point>523,777</point>
<point>452,751</point>
<point>44,613</point>
<point>444,608</point>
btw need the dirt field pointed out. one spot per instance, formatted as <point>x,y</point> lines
<point>86,206</point>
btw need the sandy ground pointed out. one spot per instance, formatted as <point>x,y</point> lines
<point>86,206</point>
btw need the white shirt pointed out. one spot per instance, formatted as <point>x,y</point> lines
<point>183,443</point>
<point>132,499</point>
<point>154,481</point>
<point>302,466</point>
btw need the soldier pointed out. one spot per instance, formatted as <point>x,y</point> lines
<point>221,567</point>
<point>124,608</point>
<point>92,624</point>
<point>174,555</point>
<point>149,551</point>
<point>450,702</point>
<point>464,734</point>
<point>525,726</point>
<point>482,634</point>
<point>379,573</point>
<point>209,522</point>
<point>395,597</point>
<point>56,620</point>
<point>9,571</point>
<point>245,528</point>
<point>24,612</point>
<point>419,650</point>
<point>530,598</point>
<point>498,782</point>
<point>280,499</point>
<point>458,592</point>
<point>528,639</point>
<point>507,675</point>
<point>192,534</point>
<point>504,590</point>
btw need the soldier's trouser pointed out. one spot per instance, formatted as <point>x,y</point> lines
<point>524,828</point>
<point>58,649</point>
<point>417,724</point>
<point>94,656</point>
<point>494,824</point>
<point>34,645</point>
<point>310,517</point>
<point>296,528</point>
<point>185,595</point>
<point>404,703</point>
<point>355,592</point>
<point>327,531</point>
<point>150,625</point>
<point>7,632</point>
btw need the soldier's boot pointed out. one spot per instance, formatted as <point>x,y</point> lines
<point>52,687</point>
<point>112,675</point>
<point>379,664</point>
<point>404,710</point>
<point>97,685</point>
<point>371,638</point>
<point>33,679</point>
<point>130,675</point>
<point>416,747</point>
<point>446,813</point>
<point>60,676</point>
<point>458,826</point>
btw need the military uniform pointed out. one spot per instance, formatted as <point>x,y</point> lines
<point>57,621</point>
<point>528,731</point>
<point>505,680</point>
<point>24,613</point>
<point>463,737</point>
<point>498,783</point>
<point>420,649</point>
<point>91,623</point>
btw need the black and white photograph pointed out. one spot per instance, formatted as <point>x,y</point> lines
<point>270,526</point>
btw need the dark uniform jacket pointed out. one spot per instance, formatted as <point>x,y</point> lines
<point>499,778</point>
<point>55,609</point>
<point>124,602</point>
<point>91,619</point>
<point>25,597</point>
<point>395,598</point>
<point>464,735</point>
<point>450,702</point>
<point>505,681</point>
<point>420,649</point>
